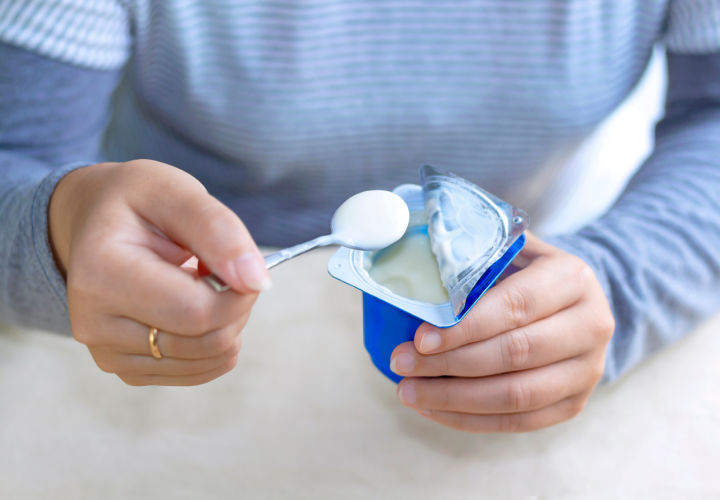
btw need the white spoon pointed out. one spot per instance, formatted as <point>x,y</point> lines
<point>370,220</point>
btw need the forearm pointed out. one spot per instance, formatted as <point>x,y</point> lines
<point>657,250</point>
<point>32,292</point>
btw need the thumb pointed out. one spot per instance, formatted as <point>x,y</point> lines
<point>197,221</point>
<point>534,248</point>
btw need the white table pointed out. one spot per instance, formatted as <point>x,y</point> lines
<point>306,415</point>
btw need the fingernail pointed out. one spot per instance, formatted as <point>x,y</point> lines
<point>250,269</point>
<point>402,363</point>
<point>406,393</point>
<point>430,341</point>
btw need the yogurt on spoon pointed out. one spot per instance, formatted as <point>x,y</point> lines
<point>370,220</point>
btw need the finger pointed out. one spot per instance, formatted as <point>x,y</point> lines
<point>160,244</point>
<point>111,361</point>
<point>126,336</point>
<point>187,214</point>
<point>144,287</point>
<point>507,393</point>
<point>133,339</point>
<point>561,336</point>
<point>183,380</point>
<point>510,422</point>
<point>547,285</point>
<point>534,248</point>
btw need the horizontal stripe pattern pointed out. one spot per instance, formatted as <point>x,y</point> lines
<point>693,26</point>
<point>91,33</point>
<point>282,108</point>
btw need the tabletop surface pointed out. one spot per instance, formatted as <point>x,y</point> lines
<point>306,415</point>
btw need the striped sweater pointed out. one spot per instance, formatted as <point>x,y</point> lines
<point>283,108</point>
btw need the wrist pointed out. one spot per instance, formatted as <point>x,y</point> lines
<point>65,205</point>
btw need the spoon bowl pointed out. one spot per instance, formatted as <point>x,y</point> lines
<point>370,220</point>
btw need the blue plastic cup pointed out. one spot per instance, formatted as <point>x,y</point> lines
<point>386,326</point>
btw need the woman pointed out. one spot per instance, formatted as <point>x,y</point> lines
<point>283,109</point>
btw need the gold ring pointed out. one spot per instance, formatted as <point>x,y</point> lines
<point>153,341</point>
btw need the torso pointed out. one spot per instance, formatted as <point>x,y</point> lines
<point>289,107</point>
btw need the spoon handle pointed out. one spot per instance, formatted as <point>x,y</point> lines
<point>275,258</point>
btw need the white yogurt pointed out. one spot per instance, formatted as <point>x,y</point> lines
<point>409,269</point>
<point>370,220</point>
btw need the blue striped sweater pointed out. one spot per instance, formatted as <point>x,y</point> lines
<point>283,108</point>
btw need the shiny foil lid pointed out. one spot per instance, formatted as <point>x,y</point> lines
<point>469,230</point>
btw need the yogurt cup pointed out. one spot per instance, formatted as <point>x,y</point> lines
<point>390,319</point>
<point>386,326</point>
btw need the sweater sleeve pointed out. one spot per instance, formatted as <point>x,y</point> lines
<point>52,115</point>
<point>89,33</point>
<point>657,250</point>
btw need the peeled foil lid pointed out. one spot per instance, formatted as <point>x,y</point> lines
<point>469,230</point>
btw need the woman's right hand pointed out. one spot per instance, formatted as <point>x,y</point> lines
<point>120,233</point>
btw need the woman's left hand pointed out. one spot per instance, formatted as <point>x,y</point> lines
<point>527,356</point>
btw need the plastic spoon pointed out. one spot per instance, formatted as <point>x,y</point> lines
<point>370,220</point>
